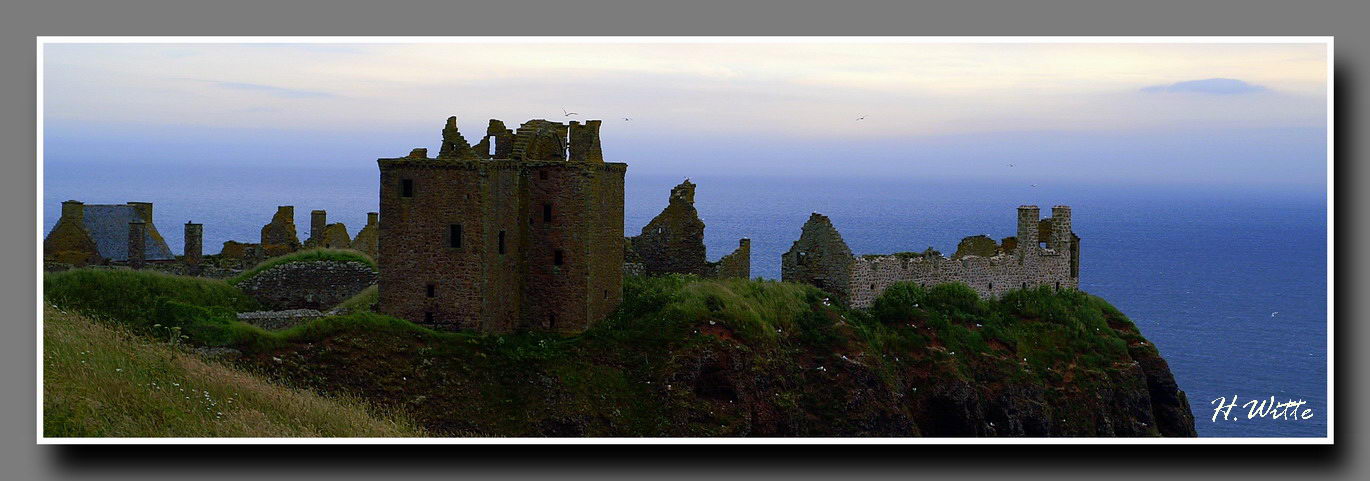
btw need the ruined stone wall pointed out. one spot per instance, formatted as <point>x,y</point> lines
<point>335,237</point>
<point>278,236</point>
<point>69,242</point>
<point>517,216</point>
<point>308,284</point>
<point>821,258</point>
<point>366,239</point>
<point>988,276</point>
<point>673,242</point>
<point>738,264</point>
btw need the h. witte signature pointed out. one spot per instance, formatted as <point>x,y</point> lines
<point>1262,408</point>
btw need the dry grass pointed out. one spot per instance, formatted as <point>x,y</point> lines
<point>102,381</point>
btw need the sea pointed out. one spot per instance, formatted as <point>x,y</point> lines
<point>1229,282</point>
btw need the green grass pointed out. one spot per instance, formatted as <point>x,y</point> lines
<point>609,377</point>
<point>341,255</point>
<point>102,380</point>
<point>134,297</point>
<point>364,301</point>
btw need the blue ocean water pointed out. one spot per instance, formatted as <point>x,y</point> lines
<point>1202,270</point>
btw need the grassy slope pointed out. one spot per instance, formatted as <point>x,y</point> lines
<point>100,380</point>
<point>692,357</point>
<point>341,255</point>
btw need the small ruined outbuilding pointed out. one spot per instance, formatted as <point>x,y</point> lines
<point>103,233</point>
<point>673,243</point>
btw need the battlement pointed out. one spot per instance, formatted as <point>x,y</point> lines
<point>534,140</point>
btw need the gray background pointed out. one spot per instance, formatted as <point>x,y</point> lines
<point>19,24</point>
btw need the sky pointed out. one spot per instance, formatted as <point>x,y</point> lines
<point>1191,114</point>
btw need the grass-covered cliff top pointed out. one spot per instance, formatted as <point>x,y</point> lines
<point>686,356</point>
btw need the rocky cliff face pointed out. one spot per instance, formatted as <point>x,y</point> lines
<point>746,358</point>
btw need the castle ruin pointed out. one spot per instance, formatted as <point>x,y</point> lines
<point>522,230</point>
<point>88,234</point>
<point>673,243</point>
<point>1046,252</point>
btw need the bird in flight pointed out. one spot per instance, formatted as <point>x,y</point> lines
<point>1273,313</point>
<point>863,117</point>
<point>625,119</point>
<point>1010,165</point>
<point>568,114</point>
<point>1034,185</point>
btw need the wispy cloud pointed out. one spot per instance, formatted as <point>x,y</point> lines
<point>1212,86</point>
<point>275,91</point>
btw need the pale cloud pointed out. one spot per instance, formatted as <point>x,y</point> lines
<point>769,89</point>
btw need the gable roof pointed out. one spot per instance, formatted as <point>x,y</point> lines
<point>108,227</point>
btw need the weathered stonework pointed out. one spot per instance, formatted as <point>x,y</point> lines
<point>194,247</point>
<point>308,284</point>
<point>369,236</point>
<point>821,258</point>
<point>137,243</point>
<point>88,234</point>
<point>738,264</point>
<point>673,242</point>
<point>278,237</point>
<point>245,254</point>
<point>522,231</point>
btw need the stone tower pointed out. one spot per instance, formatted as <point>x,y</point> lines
<point>521,231</point>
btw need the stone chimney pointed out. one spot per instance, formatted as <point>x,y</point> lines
<point>137,244</point>
<point>73,210</point>
<point>194,250</point>
<point>318,220</point>
<point>372,218</point>
<point>144,210</point>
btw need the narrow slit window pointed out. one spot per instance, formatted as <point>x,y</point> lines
<point>454,235</point>
<point>558,258</point>
<point>428,317</point>
<point>406,187</point>
<point>432,290</point>
<point>546,212</point>
<point>501,242</point>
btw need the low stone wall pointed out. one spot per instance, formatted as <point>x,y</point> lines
<point>308,284</point>
<point>279,319</point>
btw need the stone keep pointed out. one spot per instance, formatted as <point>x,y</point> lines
<point>521,231</point>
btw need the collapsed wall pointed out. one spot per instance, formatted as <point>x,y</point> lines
<point>673,243</point>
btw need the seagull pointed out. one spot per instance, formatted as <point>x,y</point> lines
<point>1010,165</point>
<point>625,119</point>
<point>863,117</point>
<point>568,114</point>
<point>1273,313</point>
<point>1034,185</point>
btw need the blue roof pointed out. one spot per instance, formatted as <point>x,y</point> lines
<point>108,227</point>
